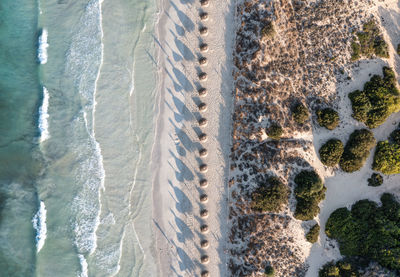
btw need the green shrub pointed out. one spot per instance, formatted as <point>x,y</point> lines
<point>398,49</point>
<point>268,31</point>
<point>309,192</point>
<point>331,152</point>
<point>300,113</point>
<point>270,196</point>
<point>341,268</point>
<point>269,271</point>
<point>357,150</point>
<point>375,180</point>
<point>369,42</point>
<point>274,131</point>
<point>387,158</point>
<point>328,118</point>
<point>369,231</point>
<point>356,50</point>
<point>312,235</point>
<point>379,99</point>
<point>395,136</point>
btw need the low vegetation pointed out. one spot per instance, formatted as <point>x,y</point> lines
<point>341,268</point>
<point>270,196</point>
<point>368,231</point>
<point>309,192</point>
<point>313,234</point>
<point>300,113</point>
<point>269,271</point>
<point>357,150</point>
<point>369,42</point>
<point>387,158</point>
<point>375,180</point>
<point>274,131</point>
<point>395,136</point>
<point>331,152</point>
<point>387,154</point>
<point>268,31</point>
<point>328,118</point>
<point>398,49</point>
<point>377,101</point>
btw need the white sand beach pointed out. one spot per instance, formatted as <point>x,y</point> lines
<point>176,159</point>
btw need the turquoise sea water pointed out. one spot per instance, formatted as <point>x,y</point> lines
<point>77,133</point>
<point>20,95</point>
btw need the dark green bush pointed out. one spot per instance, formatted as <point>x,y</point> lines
<point>328,118</point>
<point>387,158</point>
<point>309,192</point>
<point>398,49</point>
<point>357,150</point>
<point>270,196</point>
<point>375,180</point>
<point>341,268</point>
<point>300,113</point>
<point>269,271</point>
<point>369,231</point>
<point>395,136</point>
<point>312,235</point>
<point>369,42</point>
<point>379,99</point>
<point>331,151</point>
<point>274,131</point>
<point>268,31</point>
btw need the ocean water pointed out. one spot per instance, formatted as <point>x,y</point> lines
<point>20,159</point>
<point>78,106</point>
<point>96,126</point>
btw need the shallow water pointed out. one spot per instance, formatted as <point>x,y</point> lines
<point>78,107</point>
<point>96,187</point>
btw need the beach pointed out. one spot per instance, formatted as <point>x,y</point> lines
<point>113,159</point>
<point>136,133</point>
<point>176,159</point>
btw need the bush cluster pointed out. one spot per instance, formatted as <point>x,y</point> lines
<point>387,154</point>
<point>357,150</point>
<point>274,131</point>
<point>270,196</point>
<point>369,231</point>
<point>387,158</point>
<point>341,268</point>
<point>377,101</point>
<point>313,234</point>
<point>395,136</point>
<point>268,31</point>
<point>369,42</point>
<point>375,180</point>
<point>269,271</point>
<point>331,152</point>
<point>328,118</point>
<point>300,113</point>
<point>309,192</point>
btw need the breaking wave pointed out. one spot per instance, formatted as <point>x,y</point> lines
<point>44,116</point>
<point>42,48</point>
<point>39,224</point>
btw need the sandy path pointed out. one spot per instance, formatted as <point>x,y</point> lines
<point>176,158</point>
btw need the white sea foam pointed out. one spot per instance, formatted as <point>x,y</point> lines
<point>42,48</point>
<point>84,266</point>
<point>44,116</point>
<point>39,224</point>
<point>84,61</point>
